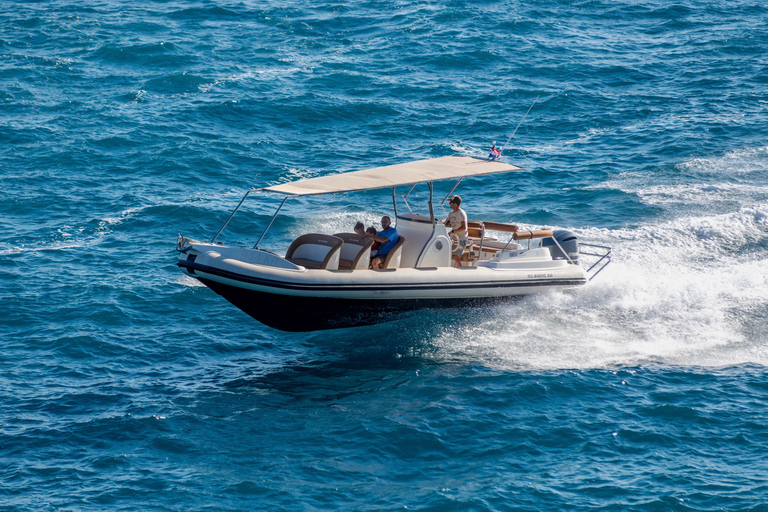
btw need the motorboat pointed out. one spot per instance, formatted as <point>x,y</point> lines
<point>324,280</point>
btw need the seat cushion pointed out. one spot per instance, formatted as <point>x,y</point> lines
<point>306,263</point>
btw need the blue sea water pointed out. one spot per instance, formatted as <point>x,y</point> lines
<point>128,386</point>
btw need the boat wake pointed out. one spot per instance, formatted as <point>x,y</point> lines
<point>692,291</point>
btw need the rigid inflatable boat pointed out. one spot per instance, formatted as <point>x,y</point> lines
<point>324,281</point>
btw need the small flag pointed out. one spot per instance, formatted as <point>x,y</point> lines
<point>495,153</point>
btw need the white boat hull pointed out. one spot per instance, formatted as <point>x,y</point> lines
<point>292,298</point>
<point>324,282</point>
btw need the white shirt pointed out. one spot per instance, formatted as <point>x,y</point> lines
<point>455,218</point>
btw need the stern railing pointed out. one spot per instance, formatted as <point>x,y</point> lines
<point>603,260</point>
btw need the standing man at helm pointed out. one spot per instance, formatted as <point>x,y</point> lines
<point>457,220</point>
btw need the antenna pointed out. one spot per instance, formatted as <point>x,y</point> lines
<point>518,124</point>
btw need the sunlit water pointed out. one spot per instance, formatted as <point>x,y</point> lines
<point>129,386</point>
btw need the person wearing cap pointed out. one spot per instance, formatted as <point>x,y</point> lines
<point>457,220</point>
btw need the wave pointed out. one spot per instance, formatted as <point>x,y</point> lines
<point>733,163</point>
<point>177,84</point>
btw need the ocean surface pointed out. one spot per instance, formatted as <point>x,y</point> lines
<point>125,385</point>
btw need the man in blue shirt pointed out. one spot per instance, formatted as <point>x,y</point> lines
<point>388,238</point>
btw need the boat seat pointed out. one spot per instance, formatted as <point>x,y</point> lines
<point>393,256</point>
<point>315,250</point>
<point>471,253</point>
<point>475,229</point>
<point>488,248</point>
<point>356,251</point>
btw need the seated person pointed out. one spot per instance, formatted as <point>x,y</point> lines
<point>376,245</point>
<point>387,237</point>
<point>360,228</point>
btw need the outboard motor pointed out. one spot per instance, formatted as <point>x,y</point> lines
<point>569,243</point>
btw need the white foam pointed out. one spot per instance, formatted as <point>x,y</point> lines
<point>733,163</point>
<point>675,293</point>
<point>718,181</point>
<point>121,217</point>
<point>338,222</point>
<point>185,280</point>
<point>12,250</point>
<point>699,193</point>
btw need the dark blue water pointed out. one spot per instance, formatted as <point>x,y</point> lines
<point>127,386</point>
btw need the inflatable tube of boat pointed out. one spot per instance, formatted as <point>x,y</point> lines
<point>527,235</point>
<point>498,226</point>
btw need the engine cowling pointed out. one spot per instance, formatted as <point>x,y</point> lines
<point>567,240</point>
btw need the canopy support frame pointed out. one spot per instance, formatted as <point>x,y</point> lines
<point>232,215</point>
<point>448,195</point>
<point>270,222</point>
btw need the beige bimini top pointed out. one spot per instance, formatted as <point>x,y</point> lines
<point>419,171</point>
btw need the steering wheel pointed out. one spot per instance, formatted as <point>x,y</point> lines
<point>454,241</point>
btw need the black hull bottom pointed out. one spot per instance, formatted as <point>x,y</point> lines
<point>301,314</point>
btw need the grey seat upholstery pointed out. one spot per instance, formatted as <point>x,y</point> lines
<point>314,250</point>
<point>393,256</point>
<point>356,248</point>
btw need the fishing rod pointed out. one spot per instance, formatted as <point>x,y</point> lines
<point>518,125</point>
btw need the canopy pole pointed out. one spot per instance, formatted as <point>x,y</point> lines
<point>432,221</point>
<point>394,203</point>
<point>451,192</point>
<point>448,195</point>
<point>233,214</point>
<point>431,210</point>
<point>405,198</point>
<point>270,223</point>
